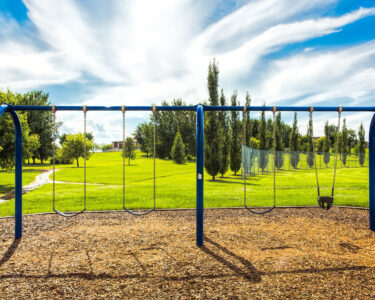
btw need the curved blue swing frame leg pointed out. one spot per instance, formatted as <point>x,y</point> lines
<point>372,173</point>
<point>18,168</point>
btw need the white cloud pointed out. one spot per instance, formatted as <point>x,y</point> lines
<point>142,52</point>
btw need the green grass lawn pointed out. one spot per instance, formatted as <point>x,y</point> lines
<point>175,186</point>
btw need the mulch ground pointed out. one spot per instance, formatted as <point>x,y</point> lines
<point>302,253</point>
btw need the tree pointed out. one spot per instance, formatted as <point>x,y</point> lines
<point>263,143</point>
<point>62,138</point>
<point>279,147</point>
<point>235,149</point>
<point>326,145</point>
<point>73,147</point>
<point>248,121</point>
<point>143,134</point>
<point>293,142</point>
<point>129,149</point>
<point>225,135</point>
<point>31,146</point>
<point>310,154</point>
<point>7,137</point>
<point>178,149</point>
<point>90,136</point>
<point>40,122</point>
<point>212,151</point>
<point>343,145</point>
<point>361,145</point>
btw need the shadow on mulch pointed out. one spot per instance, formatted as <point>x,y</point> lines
<point>8,254</point>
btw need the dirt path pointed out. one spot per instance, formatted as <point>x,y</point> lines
<point>39,181</point>
<point>288,254</point>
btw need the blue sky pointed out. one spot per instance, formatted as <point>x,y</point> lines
<point>116,52</point>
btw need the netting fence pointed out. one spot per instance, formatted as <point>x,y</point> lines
<point>261,161</point>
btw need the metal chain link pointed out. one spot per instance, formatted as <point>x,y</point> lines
<point>313,144</point>
<point>337,147</point>
<point>85,155</point>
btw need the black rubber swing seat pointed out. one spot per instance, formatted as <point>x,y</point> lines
<point>325,202</point>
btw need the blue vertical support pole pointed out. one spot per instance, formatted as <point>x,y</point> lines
<point>18,174</point>
<point>372,173</point>
<point>200,149</point>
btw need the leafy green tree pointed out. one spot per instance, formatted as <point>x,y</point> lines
<point>235,149</point>
<point>62,138</point>
<point>343,144</point>
<point>90,136</point>
<point>361,145</point>
<point>7,137</point>
<point>31,146</point>
<point>129,149</point>
<point>106,147</point>
<point>212,145</point>
<point>225,135</point>
<point>73,147</point>
<point>310,154</point>
<point>178,149</point>
<point>279,147</point>
<point>326,145</point>
<point>144,137</point>
<point>293,142</point>
<point>40,122</point>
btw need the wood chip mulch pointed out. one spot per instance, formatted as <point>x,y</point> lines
<point>303,253</point>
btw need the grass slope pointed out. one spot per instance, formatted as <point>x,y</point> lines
<point>175,186</point>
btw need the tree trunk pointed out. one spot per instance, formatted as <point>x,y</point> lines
<point>129,162</point>
<point>34,160</point>
<point>213,178</point>
<point>77,163</point>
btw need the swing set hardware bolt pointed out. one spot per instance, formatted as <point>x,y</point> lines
<point>84,108</point>
<point>123,108</point>
<point>245,109</point>
<point>154,108</point>
<point>274,109</point>
<point>53,108</point>
<point>311,109</point>
<point>340,109</point>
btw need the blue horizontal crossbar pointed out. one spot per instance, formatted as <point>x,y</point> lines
<point>192,108</point>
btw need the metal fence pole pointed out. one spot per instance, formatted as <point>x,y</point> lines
<point>200,144</point>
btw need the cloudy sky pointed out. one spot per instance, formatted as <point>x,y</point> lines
<point>118,52</point>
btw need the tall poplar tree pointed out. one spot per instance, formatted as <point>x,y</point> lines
<point>212,145</point>
<point>248,121</point>
<point>310,155</point>
<point>235,149</point>
<point>326,145</point>
<point>361,145</point>
<point>225,135</point>
<point>279,147</point>
<point>344,143</point>
<point>294,154</point>
<point>263,144</point>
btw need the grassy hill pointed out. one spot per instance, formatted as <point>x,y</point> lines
<point>175,186</point>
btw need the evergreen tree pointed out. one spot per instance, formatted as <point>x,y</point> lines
<point>310,154</point>
<point>361,145</point>
<point>212,151</point>
<point>248,121</point>
<point>225,135</point>
<point>178,149</point>
<point>263,144</point>
<point>344,143</point>
<point>294,154</point>
<point>235,149</point>
<point>279,147</point>
<point>326,145</point>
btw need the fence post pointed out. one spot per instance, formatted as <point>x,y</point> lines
<point>200,149</point>
<point>372,173</point>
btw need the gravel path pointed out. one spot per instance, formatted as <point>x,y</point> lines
<point>303,253</point>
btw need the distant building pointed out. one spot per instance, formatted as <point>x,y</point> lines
<point>117,145</point>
